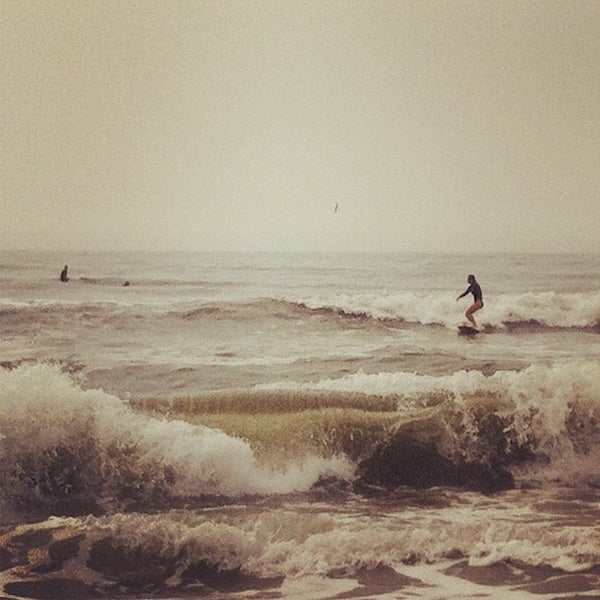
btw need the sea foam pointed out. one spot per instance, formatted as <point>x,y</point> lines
<point>546,309</point>
<point>60,444</point>
<point>551,411</point>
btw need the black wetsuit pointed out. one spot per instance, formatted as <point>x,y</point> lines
<point>474,289</point>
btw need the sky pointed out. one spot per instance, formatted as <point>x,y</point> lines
<point>434,126</point>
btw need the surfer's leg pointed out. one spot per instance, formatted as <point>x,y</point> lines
<point>469,315</point>
<point>473,308</point>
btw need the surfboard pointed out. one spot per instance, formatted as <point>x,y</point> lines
<point>467,330</point>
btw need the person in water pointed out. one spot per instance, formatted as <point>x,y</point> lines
<point>474,289</point>
<point>63,274</point>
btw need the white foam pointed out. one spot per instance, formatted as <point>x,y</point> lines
<point>300,542</point>
<point>41,409</point>
<point>307,542</point>
<point>554,409</point>
<point>552,309</point>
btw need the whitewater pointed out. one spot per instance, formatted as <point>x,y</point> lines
<point>177,425</point>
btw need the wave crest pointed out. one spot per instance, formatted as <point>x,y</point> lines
<point>69,450</point>
<point>538,310</point>
<point>539,424</point>
<point>524,312</point>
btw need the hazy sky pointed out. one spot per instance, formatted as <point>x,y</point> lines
<point>238,125</point>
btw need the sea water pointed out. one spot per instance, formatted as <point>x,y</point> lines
<point>178,425</point>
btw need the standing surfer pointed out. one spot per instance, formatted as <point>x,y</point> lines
<point>63,275</point>
<point>474,289</point>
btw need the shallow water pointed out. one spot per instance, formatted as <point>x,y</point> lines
<point>299,426</point>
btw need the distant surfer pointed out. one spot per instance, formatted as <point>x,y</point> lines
<point>63,274</point>
<point>474,289</point>
<point>335,208</point>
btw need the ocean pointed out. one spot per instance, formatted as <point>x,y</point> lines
<point>298,426</point>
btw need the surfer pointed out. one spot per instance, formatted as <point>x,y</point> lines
<point>474,289</point>
<point>63,274</point>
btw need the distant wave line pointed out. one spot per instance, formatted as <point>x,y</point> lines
<point>512,314</point>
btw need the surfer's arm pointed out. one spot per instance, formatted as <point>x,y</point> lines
<point>464,293</point>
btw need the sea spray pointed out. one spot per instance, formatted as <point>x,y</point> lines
<point>68,450</point>
<point>542,421</point>
<point>537,310</point>
<point>466,429</point>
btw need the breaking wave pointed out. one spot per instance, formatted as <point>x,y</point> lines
<point>539,424</point>
<point>65,450</point>
<point>525,312</point>
<point>69,450</point>
<point>532,311</point>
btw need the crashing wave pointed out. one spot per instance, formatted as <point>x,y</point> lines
<point>71,451</point>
